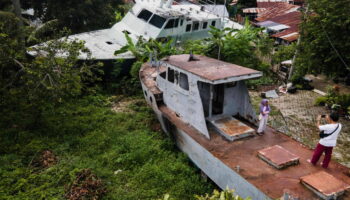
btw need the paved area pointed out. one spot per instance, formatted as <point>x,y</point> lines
<point>321,82</point>
<point>295,115</point>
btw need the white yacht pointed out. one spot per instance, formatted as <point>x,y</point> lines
<point>152,19</point>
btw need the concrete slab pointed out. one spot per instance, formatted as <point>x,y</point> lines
<point>324,185</point>
<point>231,128</point>
<point>278,157</point>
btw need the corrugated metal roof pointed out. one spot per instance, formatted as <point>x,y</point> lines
<point>290,19</point>
<point>289,35</point>
<point>276,10</point>
<point>209,68</point>
<point>253,10</point>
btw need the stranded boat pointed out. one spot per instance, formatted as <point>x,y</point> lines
<point>204,105</point>
<point>151,19</point>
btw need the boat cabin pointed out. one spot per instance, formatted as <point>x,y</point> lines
<point>161,21</point>
<point>207,92</point>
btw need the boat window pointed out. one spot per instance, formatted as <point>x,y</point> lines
<point>145,15</point>
<point>195,26</point>
<point>163,74</point>
<point>188,28</point>
<point>184,81</point>
<point>213,23</point>
<point>176,23</point>
<point>205,25</point>
<point>181,22</point>
<point>176,77</point>
<point>170,75</point>
<point>157,21</point>
<point>170,24</point>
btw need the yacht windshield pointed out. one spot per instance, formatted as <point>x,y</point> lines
<point>157,21</point>
<point>145,15</point>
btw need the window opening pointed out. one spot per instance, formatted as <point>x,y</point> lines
<point>176,23</point>
<point>213,23</point>
<point>195,26</point>
<point>181,22</point>
<point>170,24</point>
<point>170,75</point>
<point>188,28</point>
<point>157,21</point>
<point>176,77</point>
<point>145,15</point>
<point>184,81</point>
<point>163,75</point>
<point>205,25</point>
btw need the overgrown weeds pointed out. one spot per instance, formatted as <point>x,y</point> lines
<point>87,134</point>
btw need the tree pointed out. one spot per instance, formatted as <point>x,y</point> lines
<point>77,15</point>
<point>30,86</point>
<point>142,50</point>
<point>325,45</point>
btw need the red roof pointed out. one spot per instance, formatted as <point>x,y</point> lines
<point>277,10</point>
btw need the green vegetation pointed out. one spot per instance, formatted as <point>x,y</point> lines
<point>335,101</point>
<point>134,162</point>
<point>78,16</point>
<point>325,45</point>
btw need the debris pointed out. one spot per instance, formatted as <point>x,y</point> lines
<point>319,92</point>
<point>117,172</point>
<point>271,94</point>
<point>86,186</point>
<point>45,160</point>
<point>282,89</point>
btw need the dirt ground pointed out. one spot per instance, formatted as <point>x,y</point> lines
<point>295,114</point>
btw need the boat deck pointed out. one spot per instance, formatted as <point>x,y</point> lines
<point>244,153</point>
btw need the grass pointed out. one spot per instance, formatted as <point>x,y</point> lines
<point>133,161</point>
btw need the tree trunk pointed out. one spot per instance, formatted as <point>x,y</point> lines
<point>18,12</point>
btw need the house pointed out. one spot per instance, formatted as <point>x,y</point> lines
<point>280,18</point>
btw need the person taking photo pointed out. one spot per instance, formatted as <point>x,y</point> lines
<point>328,138</point>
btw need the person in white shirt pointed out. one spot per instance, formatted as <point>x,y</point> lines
<point>329,134</point>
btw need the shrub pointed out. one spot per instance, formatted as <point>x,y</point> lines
<point>321,101</point>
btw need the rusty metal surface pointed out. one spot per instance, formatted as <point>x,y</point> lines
<point>289,35</point>
<point>278,156</point>
<point>147,76</point>
<point>209,68</point>
<point>276,10</point>
<point>244,153</point>
<point>325,183</point>
<point>232,127</point>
